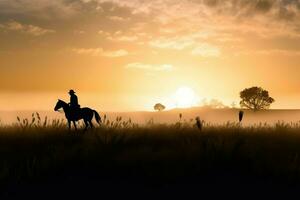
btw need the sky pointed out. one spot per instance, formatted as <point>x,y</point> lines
<point>125,55</point>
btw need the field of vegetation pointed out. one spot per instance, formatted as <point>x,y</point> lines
<point>123,158</point>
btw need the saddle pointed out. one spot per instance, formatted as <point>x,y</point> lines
<point>75,110</point>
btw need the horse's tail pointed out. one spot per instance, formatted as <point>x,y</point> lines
<point>97,116</point>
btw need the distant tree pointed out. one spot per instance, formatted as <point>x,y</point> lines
<point>216,104</point>
<point>233,104</point>
<point>159,107</point>
<point>204,102</point>
<point>255,98</point>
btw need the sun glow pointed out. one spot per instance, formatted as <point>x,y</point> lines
<point>185,97</point>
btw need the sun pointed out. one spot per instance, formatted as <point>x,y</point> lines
<point>185,97</point>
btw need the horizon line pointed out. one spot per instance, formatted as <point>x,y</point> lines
<point>132,111</point>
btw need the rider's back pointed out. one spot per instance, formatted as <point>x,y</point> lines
<point>74,101</point>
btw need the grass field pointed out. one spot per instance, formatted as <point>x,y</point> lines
<point>213,116</point>
<point>123,158</point>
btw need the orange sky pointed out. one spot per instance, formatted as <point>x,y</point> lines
<point>123,55</point>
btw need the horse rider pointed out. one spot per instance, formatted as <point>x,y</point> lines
<point>73,101</point>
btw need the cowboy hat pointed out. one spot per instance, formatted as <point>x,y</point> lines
<point>71,92</point>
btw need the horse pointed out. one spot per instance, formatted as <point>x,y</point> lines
<point>86,114</point>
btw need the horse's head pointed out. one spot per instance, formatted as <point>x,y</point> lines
<point>59,105</point>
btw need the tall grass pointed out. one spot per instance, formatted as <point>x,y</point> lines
<point>37,149</point>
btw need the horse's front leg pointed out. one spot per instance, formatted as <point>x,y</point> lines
<point>86,125</point>
<point>75,125</point>
<point>69,124</point>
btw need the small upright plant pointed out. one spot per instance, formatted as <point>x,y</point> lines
<point>199,123</point>
<point>241,116</point>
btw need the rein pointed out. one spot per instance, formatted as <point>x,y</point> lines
<point>60,111</point>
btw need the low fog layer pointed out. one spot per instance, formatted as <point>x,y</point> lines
<point>213,116</point>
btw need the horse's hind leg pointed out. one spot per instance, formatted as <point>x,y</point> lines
<point>91,124</point>
<point>86,125</point>
<point>75,125</point>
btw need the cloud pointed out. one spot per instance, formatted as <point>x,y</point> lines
<point>176,43</point>
<point>101,52</point>
<point>118,36</point>
<point>160,24</point>
<point>242,5</point>
<point>280,52</point>
<point>269,52</point>
<point>26,28</point>
<point>206,50</point>
<point>118,18</point>
<point>113,54</point>
<point>164,67</point>
<point>41,9</point>
<point>189,12</point>
<point>223,14</point>
<point>37,31</point>
<point>123,38</point>
<point>79,32</point>
<point>161,8</point>
<point>238,8</point>
<point>180,41</point>
<point>245,8</point>
<point>228,38</point>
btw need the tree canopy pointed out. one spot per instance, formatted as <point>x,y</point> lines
<point>255,98</point>
<point>159,107</point>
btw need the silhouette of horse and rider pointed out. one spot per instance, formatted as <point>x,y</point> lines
<point>74,113</point>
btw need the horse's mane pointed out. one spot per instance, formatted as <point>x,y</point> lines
<point>62,101</point>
